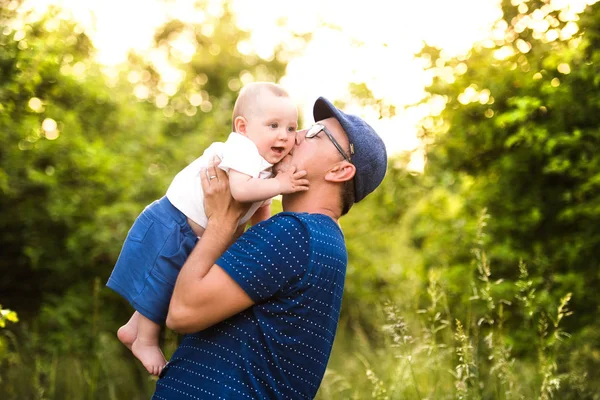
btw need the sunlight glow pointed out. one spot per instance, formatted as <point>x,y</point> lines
<point>351,43</point>
<point>36,105</point>
<point>564,68</point>
<point>50,128</point>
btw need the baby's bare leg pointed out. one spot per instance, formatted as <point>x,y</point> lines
<point>145,346</point>
<point>128,332</point>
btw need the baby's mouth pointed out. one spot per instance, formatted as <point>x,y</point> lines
<point>277,150</point>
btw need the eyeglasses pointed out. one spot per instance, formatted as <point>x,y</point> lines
<point>318,128</point>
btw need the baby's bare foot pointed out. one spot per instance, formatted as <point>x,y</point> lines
<point>127,335</point>
<point>150,355</point>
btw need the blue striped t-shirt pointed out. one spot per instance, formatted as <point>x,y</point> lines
<point>293,267</point>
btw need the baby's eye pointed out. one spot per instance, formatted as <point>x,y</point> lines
<point>274,125</point>
<point>291,129</point>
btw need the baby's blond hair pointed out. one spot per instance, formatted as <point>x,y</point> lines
<point>248,101</point>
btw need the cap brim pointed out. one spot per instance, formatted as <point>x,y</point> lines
<point>324,109</point>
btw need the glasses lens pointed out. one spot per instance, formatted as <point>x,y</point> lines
<point>314,131</point>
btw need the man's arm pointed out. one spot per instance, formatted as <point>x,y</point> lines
<point>204,294</point>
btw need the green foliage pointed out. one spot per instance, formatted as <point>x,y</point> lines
<point>519,136</point>
<point>465,317</point>
<point>80,156</point>
<point>381,260</point>
<point>460,352</point>
<point>7,315</point>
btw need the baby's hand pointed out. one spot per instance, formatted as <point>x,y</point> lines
<point>291,181</point>
<point>283,165</point>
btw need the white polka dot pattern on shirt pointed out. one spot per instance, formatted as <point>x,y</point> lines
<point>293,267</point>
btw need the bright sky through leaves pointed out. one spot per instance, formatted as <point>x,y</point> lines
<point>357,42</point>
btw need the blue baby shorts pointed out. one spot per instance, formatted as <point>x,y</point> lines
<point>153,253</point>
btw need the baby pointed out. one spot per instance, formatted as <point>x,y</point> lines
<point>264,123</point>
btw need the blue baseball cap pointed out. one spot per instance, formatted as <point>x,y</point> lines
<point>370,155</point>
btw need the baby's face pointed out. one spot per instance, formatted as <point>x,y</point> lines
<point>273,129</point>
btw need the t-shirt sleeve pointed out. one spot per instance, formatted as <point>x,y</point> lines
<point>240,154</point>
<point>268,258</point>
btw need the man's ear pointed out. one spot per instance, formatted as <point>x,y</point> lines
<point>240,125</point>
<point>341,172</point>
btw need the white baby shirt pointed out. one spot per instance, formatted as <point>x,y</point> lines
<point>238,153</point>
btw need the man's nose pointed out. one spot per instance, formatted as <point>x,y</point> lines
<point>300,136</point>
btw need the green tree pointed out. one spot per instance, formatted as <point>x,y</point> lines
<point>519,135</point>
<point>81,154</point>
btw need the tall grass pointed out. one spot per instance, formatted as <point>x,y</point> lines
<point>464,352</point>
<point>441,349</point>
<point>30,369</point>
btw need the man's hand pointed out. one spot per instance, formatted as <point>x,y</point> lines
<point>204,293</point>
<point>291,181</point>
<point>218,202</point>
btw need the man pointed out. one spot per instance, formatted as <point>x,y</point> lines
<point>262,317</point>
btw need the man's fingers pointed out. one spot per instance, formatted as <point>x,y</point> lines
<point>204,179</point>
<point>215,161</point>
<point>212,172</point>
<point>218,172</point>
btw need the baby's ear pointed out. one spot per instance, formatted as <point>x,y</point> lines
<point>240,125</point>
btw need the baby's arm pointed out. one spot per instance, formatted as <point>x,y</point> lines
<point>245,188</point>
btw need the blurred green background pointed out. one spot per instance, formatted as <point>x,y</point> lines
<point>475,278</point>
